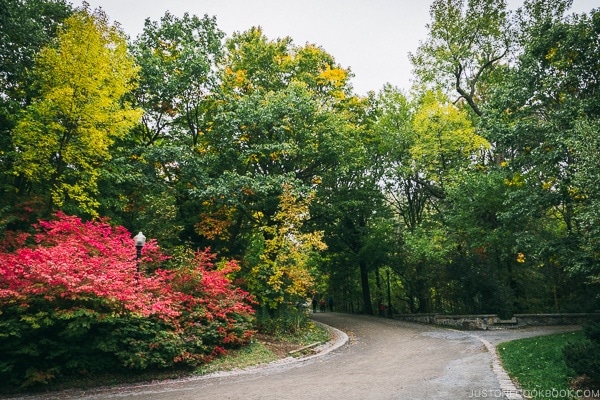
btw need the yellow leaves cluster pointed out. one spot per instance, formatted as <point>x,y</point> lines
<point>444,134</point>
<point>335,77</point>
<point>284,265</point>
<point>254,63</point>
<point>216,224</point>
<point>551,53</point>
<point>237,79</point>
<point>576,193</point>
<point>517,180</point>
<point>547,185</point>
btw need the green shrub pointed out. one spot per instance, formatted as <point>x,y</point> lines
<point>584,358</point>
<point>286,320</point>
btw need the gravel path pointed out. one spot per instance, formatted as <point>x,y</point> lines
<point>371,358</point>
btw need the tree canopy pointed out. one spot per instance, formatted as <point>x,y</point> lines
<point>475,191</point>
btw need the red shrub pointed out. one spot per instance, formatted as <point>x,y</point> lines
<point>72,270</point>
<point>72,259</point>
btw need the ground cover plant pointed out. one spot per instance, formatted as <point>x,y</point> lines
<point>73,303</point>
<point>538,365</point>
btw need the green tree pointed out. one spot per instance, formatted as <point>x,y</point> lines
<point>539,119</point>
<point>255,63</point>
<point>486,273</point>
<point>63,137</point>
<point>587,178</point>
<point>467,40</point>
<point>444,139</point>
<point>146,185</point>
<point>349,214</point>
<point>350,206</point>
<point>25,27</point>
<point>270,127</point>
<point>430,145</point>
<point>178,58</point>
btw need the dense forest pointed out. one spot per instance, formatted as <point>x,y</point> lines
<point>477,191</point>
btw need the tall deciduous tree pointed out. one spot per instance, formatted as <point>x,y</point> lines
<point>63,137</point>
<point>350,207</point>
<point>467,39</point>
<point>178,59</point>
<point>147,183</point>
<point>430,145</point>
<point>540,120</point>
<point>25,27</point>
<point>273,123</point>
<point>286,117</point>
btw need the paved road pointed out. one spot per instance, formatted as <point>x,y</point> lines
<point>382,359</point>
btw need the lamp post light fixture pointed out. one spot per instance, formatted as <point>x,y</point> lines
<point>140,241</point>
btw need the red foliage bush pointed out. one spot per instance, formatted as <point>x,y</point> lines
<point>73,279</point>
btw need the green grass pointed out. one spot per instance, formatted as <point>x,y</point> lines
<point>537,363</point>
<point>257,353</point>
<point>247,356</point>
<point>312,333</point>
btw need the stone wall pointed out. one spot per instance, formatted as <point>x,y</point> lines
<point>492,321</point>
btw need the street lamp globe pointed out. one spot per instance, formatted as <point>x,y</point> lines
<point>140,241</point>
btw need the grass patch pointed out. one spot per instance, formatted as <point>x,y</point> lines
<point>537,363</point>
<point>253,354</point>
<point>267,348</point>
<point>311,333</point>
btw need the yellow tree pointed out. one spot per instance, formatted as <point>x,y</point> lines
<point>281,270</point>
<point>445,140</point>
<point>255,63</point>
<point>62,139</point>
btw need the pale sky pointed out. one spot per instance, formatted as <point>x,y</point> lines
<point>371,37</point>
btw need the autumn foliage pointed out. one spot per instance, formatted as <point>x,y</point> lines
<point>73,302</point>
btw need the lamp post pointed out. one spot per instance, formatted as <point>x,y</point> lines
<point>389,293</point>
<point>140,241</point>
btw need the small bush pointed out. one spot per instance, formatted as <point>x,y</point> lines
<point>285,321</point>
<point>592,331</point>
<point>583,357</point>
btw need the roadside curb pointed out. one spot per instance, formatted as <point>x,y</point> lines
<point>506,384</point>
<point>339,340</point>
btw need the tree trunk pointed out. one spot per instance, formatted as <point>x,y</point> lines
<point>364,280</point>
